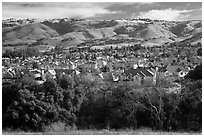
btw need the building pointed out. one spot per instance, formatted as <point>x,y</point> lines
<point>140,75</point>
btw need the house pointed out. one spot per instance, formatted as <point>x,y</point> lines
<point>48,74</point>
<point>177,70</point>
<point>37,76</point>
<point>115,77</point>
<point>7,75</point>
<point>36,73</point>
<point>60,72</point>
<point>162,71</point>
<point>88,67</point>
<point>24,73</point>
<point>139,75</point>
<point>173,69</point>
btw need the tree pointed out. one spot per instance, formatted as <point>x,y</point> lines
<point>199,52</point>
<point>171,111</point>
<point>27,112</point>
<point>152,100</point>
<point>50,86</point>
<point>32,108</point>
<point>35,65</point>
<point>66,82</point>
<point>58,48</point>
<point>28,81</point>
<point>195,74</point>
<point>123,108</point>
<point>7,53</point>
<point>190,106</point>
<point>32,51</point>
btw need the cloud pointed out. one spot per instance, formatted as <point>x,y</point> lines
<point>144,3</point>
<point>54,10</point>
<point>166,14</point>
<point>104,10</point>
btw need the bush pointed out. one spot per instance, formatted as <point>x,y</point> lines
<point>57,127</point>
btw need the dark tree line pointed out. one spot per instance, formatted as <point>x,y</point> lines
<point>27,52</point>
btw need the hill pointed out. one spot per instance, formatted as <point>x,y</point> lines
<point>72,32</point>
<point>27,33</point>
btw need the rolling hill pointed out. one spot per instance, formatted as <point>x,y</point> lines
<point>28,33</point>
<point>70,32</point>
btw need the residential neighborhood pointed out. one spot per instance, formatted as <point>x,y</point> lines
<point>102,68</point>
<point>133,63</point>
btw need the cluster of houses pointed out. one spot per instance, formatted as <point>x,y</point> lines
<point>125,64</point>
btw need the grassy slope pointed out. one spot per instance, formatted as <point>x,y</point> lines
<point>30,32</point>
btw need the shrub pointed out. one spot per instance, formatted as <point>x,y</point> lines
<point>57,127</point>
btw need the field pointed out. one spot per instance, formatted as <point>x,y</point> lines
<point>144,131</point>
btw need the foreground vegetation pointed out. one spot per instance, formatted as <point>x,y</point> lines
<point>78,102</point>
<point>101,132</point>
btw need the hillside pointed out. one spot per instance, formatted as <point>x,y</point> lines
<point>72,32</point>
<point>28,33</point>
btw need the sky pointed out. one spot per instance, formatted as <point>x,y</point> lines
<point>171,11</point>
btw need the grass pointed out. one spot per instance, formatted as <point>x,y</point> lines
<point>60,128</point>
<point>143,131</point>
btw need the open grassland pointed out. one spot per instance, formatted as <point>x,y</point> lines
<point>101,132</point>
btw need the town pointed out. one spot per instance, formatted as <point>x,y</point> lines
<point>134,63</point>
<point>112,68</point>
